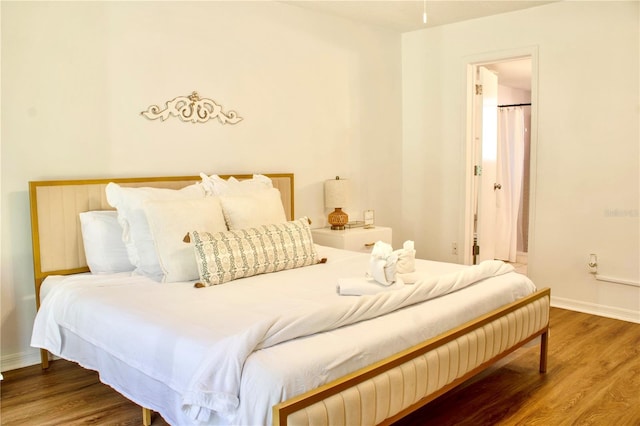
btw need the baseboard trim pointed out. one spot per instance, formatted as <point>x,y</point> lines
<point>596,309</point>
<point>20,360</point>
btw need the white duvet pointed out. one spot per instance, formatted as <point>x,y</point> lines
<point>197,341</point>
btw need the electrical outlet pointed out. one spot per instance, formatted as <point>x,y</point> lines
<point>454,248</point>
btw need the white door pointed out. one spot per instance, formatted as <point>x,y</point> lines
<point>487,153</point>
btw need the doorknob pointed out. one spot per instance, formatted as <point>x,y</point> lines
<point>497,186</point>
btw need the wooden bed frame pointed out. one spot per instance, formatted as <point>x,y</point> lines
<point>377,394</point>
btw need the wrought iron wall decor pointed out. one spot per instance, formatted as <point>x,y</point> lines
<point>192,108</point>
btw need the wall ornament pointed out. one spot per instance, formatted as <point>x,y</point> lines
<point>192,109</point>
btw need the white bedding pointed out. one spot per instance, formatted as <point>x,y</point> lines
<point>193,331</point>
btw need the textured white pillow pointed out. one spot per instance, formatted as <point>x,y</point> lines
<point>131,216</point>
<point>253,209</point>
<point>226,256</point>
<point>215,185</point>
<point>170,221</point>
<point>103,246</point>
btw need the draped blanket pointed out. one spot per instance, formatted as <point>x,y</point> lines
<point>197,341</point>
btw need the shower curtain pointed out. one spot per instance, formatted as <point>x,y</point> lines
<point>509,174</point>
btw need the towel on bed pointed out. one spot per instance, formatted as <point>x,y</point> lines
<point>406,258</point>
<point>382,264</point>
<point>385,263</point>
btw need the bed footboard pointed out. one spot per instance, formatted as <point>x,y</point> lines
<point>392,388</point>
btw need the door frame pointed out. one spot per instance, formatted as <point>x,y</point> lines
<point>471,63</point>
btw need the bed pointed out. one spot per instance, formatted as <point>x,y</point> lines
<point>366,360</point>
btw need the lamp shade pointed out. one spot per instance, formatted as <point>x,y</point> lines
<point>336,193</point>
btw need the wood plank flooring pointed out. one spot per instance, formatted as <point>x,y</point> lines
<point>593,378</point>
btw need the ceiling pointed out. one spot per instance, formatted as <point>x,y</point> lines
<point>404,16</point>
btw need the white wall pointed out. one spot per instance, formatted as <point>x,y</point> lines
<point>586,155</point>
<point>511,95</point>
<point>320,97</point>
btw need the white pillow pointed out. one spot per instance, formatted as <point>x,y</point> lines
<point>170,221</point>
<point>131,216</point>
<point>215,185</point>
<point>250,210</point>
<point>103,246</point>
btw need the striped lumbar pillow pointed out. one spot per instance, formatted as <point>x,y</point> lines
<point>229,255</point>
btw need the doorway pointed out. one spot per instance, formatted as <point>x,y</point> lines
<point>500,155</point>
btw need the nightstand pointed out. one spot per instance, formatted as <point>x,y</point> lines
<point>355,239</point>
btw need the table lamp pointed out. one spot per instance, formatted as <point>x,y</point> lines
<point>336,194</point>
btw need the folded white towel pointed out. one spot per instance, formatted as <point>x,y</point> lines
<point>381,250</point>
<point>406,258</point>
<point>364,286</point>
<point>382,265</point>
<point>382,271</point>
<point>385,263</point>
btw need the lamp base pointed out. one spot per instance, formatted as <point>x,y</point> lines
<point>338,219</point>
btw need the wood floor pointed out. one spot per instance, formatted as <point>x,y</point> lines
<point>593,378</point>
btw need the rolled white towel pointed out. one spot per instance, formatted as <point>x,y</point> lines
<point>364,286</point>
<point>406,258</point>
<point>382,271</point>
<point>382,265</point>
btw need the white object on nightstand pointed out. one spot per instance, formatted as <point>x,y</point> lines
<point>355,239</point>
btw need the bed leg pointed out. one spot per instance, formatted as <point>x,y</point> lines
<point>544,347</point>
<point>44,359</point>
<point>146,416</point>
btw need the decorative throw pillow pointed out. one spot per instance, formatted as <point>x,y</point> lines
<point>131,216</point>
<point>103,246</point>
<point>169,222</point>
<point>215,185</point>
<point>226,256</point>
<point>253,209</point>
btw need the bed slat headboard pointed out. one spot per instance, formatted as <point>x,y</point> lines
<point>55,224</point>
